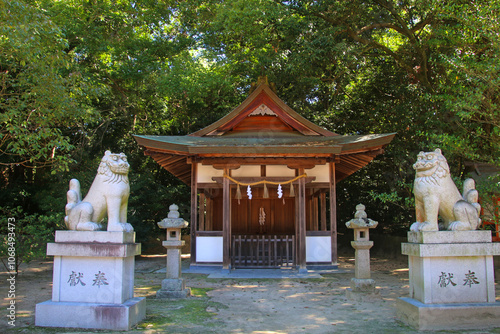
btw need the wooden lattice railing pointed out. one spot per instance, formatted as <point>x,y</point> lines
<point>263,251</point>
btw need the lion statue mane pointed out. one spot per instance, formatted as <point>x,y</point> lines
<point>108,194</point>
<point>436,195</point>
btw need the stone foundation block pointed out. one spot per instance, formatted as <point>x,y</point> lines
<point>362,289</point>
<point>91,315</point>
<point>173,284</point>
<point>449,237</point>
<point>362,284</point>
<point>173,288</point>
<point>448,316</point>
<point>452,285</point>
<point>93,282</point>
<point>95,237</point>
<point>163,294</point>
<point>447,273</point>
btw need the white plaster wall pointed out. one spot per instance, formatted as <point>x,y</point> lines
<point>279,170</point>
<point>246,171</point>
<point>321,172</point>
<point>209,249</point>
<point>205,173</point>
<point>319,249</point>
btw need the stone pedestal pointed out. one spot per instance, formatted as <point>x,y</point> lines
<point>93,282</point>
<point>451,281</point>
<point>173,286</point>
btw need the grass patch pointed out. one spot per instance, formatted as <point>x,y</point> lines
<point>196,314</point>
<point>200,292</point>
<point>193,315</point>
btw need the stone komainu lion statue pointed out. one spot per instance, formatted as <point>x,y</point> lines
<point>436,194</point>
<point>108,194</point>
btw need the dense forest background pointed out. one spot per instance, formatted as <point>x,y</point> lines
<point>78,77</point>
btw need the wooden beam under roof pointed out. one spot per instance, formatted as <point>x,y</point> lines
<point>262,160</point>
<point>175,164</point>
<point>179,165</point>
<point>219,179</point>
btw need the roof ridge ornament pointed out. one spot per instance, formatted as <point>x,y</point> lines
<point>263,110</point>
<point>262,80</point>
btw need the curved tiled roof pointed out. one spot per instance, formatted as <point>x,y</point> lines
<point>263,127</point>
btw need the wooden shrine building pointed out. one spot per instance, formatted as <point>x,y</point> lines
<point>262,183</point>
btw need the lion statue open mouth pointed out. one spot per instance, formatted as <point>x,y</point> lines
<point>436,195</point>
<point>108,195</point>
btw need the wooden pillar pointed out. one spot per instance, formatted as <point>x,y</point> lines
<point>201,212</point>
<point>226,222</point>
<point>209,209</point>
<point>248,223</point>
<point>301,238</point>
<point>315,209</point>
<point>323,210</point>
<point>297,232</point>
<point>333,212</point>
<point>309,211</point>
<point>272,214</point>
<point>194,210</point>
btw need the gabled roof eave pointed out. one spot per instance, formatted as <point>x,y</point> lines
<point>263,88</point>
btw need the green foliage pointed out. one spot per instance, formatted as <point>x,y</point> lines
<point>468,90</point>
<point>489,188</point>
<point>149,201</point>
<point>36,103</point>
<point>406,203</point>
<point>80,77</point>
<point>23,237</point>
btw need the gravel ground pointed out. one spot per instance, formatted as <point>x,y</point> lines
<point>241,305</point>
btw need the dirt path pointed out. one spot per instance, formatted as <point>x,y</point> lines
<point>239,305</point>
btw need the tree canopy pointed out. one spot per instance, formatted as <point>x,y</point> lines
<point>79,77</point>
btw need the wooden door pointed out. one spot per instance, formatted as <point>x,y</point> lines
<point>263,216</point>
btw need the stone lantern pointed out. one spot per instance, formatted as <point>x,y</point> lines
<point>173,286</point>
<point>361,225</point>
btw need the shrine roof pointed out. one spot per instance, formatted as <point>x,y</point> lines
<point>263,126</point>
<point>264,143</point>
<point>276,116</point>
